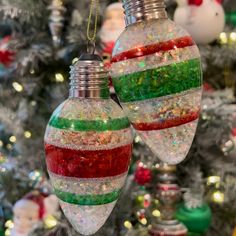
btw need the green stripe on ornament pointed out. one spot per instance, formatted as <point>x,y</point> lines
<point>162,81</point>
<point>87,200</point>
<point>89,125</point>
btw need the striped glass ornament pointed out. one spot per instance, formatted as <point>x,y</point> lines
<point>156,72</point>
<point>88,145</point>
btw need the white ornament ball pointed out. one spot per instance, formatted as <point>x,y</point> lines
<point>204,22</point>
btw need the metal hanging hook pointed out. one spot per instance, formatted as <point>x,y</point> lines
<point>91,45</point>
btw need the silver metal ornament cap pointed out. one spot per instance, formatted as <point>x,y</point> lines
<point>141,10</point>
<point>88,78</point>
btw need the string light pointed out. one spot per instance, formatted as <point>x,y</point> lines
<point>218,197</point>
<point>143,221</point>
<point>34,175</point>
<point>157,166</point>
<point>233,36</point>
<point>1,143</point>
<point>156,201</point>
<point>9,224</point>
<point>59,77</point>
<point>223,38</point>
<point>32,71</point>
<point>33,103</point>
<point>9,146</point>
<point>2,169</point>
<point>228,38</point>
<point>128,224</point>
<point>18,87</point>
<point>213,180</point>
<point>140,198</point>
<point>156,213</point>
<point>137,139</point>
<point>75,60</point>
<point>12,139</point>
<point>27,134</point>
<point>140,164</point>
<point>50,222</point>
<point>7,232</point>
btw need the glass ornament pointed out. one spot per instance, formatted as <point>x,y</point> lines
<point>156,72</point>
<point>88,145</point>
<point>204,19</point>
<point>168,228</point>
<point>194,213</point>
<point>197,220</point>
<point>168,193</point>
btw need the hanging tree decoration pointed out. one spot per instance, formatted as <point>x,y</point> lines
<point>194,213</point>
<point>204,19</point>
<point>6,55</point>
<point>88,145</point>
<point>157,76</point>
<point>168,193</point>
<point>56,21</point>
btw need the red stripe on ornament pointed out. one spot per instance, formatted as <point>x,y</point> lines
<point>169,123</point>
<point>87,163</point>
<point>141,51</point>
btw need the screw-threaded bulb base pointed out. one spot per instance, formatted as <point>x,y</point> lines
<point>89,79</point>
<point>140,10</point>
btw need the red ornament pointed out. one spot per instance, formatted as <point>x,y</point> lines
<point>233,132</point>
<point>207,87</point>
<point>195,2</point>
<point>147,201</point>
<point>142,175</point>
<point>6,56</point>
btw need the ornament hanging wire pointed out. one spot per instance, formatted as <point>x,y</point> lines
<point>91,34</point>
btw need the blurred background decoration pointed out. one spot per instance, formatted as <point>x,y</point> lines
<point>39,39</point>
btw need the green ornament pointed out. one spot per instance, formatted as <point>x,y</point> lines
<point>231,17</point>
<point>197,220</point>
<point>193,234</point>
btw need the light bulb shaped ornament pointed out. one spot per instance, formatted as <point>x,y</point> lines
<point>156,72</point>
<point>88,145</point>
